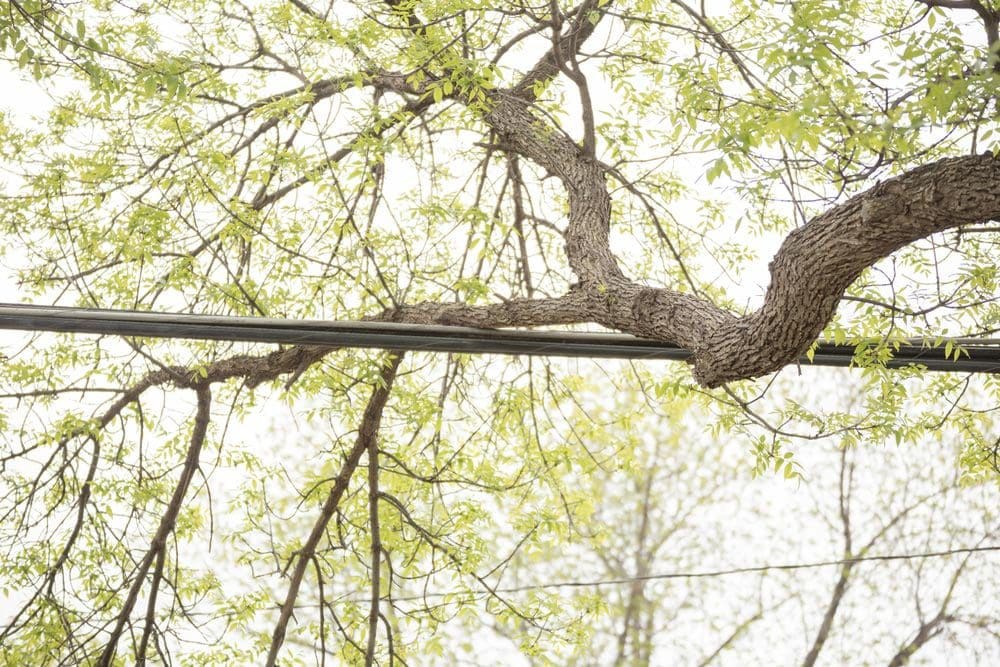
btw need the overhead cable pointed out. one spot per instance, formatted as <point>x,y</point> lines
<point>751,570</point>
<point>434,338</point>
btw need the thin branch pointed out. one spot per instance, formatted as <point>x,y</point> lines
<point>376,550</point>
<point>367,434</point>
<point>167,523</point>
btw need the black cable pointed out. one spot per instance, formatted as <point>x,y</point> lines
<point>430,338</point>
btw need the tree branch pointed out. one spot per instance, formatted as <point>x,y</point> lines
<point>376,551</point>
<point>166,528</point>
<point>367,437</point>
<point>569,42</point>
<point>840,588</point>
<point>809,275</point>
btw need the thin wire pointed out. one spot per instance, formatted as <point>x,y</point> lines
<point>704,574</point>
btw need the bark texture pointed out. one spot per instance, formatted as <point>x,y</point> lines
<point>809,274</point>
<point>818,261</point>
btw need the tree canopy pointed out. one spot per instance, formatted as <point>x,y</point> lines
<point>743,178</point>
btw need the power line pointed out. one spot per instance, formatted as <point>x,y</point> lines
<point>980,358</point>
<point>704,574</point>
<point>749,570</point>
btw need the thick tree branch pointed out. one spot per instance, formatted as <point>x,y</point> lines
<point>587,232</point>
<point>818,261</point>
<point>809,274</point>
<point>974,5</point>
<point>587,240</point>
<point>572,308</point>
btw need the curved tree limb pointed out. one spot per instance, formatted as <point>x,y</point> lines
<point>814,266</point>
<point>818,262</point>
<point>809,274</point>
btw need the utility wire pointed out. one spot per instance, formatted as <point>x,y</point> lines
<point>705,573</point>
<point>980,358</point>
<point>749,570</point>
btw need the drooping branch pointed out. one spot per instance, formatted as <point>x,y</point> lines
<point>183,377</point>
<point>367,435</point>
<point>159,542</point>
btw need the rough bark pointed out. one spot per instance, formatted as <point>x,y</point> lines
<point>567,309</point>
<point>809,274</point>
<point>814,266</point>
<point>587,233</point>
<point>818,261</point>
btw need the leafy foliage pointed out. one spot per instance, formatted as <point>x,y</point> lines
<point>339,161</point>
